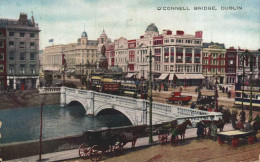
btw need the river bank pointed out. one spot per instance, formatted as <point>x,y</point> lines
<point>28,98</point>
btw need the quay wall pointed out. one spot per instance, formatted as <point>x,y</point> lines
<point>30,148</point>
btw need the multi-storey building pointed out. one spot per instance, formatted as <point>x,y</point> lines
<point>178,57</point>
<point>214,62</point>
<point>3,75</point>
<point>256,66</point>
<point>81,57</point>
<point>21,52</point>
<point>231,65</point>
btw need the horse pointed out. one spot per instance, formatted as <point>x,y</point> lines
<point>126,137</point>
<point>180,129</point>
<point>256,127</point>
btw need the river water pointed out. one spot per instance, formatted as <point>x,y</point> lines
<point>23,124</point>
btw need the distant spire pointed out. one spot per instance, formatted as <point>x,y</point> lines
<point>84,27</point>
<point>103,30</point>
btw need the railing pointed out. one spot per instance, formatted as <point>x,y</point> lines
<point>45,90</point>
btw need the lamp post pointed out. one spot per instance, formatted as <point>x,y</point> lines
<point>216,76</point>
<point>40,146</point>
<point>150,97</point>
<point>245,55</point>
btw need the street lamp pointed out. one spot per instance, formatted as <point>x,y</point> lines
<point>216,76</point>
<point>243,57</point>
<point>150,97</point>
<point>40,149</point>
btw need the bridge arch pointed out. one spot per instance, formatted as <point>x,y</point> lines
<point>117,109</point>
<point>76,103</point>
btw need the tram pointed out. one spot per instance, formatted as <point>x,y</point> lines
<point>246,98</point>
<point>133,88</point>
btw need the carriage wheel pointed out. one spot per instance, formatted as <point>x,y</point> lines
<point>96,153</point>
<point>162,138</point>
<point>118,149</point>
<point>251,139</point>
<point>84,151</point>
<point>175,140</point>
<point>235,142</point>
<point>220,141</point>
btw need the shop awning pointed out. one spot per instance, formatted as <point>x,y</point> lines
<point>163,76</point>
<point>129,75</point>
<point>190,76</point>
<point>171,76</point>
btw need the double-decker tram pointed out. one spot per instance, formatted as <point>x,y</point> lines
<point>108,84</point>
<point>246,97</point>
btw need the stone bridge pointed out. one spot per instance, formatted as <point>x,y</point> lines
<point>136,110</point>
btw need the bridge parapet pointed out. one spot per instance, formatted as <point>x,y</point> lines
<point>48,90</point>
<point>137,110</point>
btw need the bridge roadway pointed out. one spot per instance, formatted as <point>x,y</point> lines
<point>136,110</point>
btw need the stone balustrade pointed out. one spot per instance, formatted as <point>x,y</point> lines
<point>47,90</point>
<point>137,110</point>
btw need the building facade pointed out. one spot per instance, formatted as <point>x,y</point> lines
<point>214,62</point>
<point>3,74</point>
<point>21,52</point>
<point>231,65</point>
<point>81,57</point>
<point>178,57</point>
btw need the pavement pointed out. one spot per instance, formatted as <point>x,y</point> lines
<point>73,154</point>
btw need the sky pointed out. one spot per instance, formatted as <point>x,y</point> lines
<point>63,20</point>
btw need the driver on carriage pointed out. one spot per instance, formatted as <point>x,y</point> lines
<point>200,129</point>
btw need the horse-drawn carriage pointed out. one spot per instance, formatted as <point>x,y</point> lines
<point>107,142</point>
<point>174,130</point>
<point>98,143</point>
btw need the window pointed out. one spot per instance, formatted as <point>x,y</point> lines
<point>32,56</point>
<point>1,68</point>
<point>22,34</point>
<point>179,41</point>
<point>22,45</point>
<point>197,42</point>
<point>32,69</point>
<point>11,55</point>
<point>188,41</point>
<point>11,34</point>
<point>1,44</point>
<point>165,67</point>
<point>32,45</point>
<point>22,68</point>
<point>32,35</point>
<point>188,50</point>
<point>172,40</point>
<point>1,33</point>
<point>188,59</point>
<point>197,59</point>
<point>197,51</point>
<point>22,56</point>
<point>179,50</point>
<point>171,68</point>
<point>2,56</point>
<point>11,43</point>
<point>11,69</point>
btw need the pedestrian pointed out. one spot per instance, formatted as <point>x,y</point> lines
<point>248,126</point>
<point>213,130</point>
<point>227,90</point>
<point>159,88</point>
<point>240,125</point>
<point>223,90</point>
<point>229,94</point>
<point>200,129</point>
<point>233,119</point>
<point>242,115</point>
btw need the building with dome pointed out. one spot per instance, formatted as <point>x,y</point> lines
<point>81,57</point>
<point>178,56</point>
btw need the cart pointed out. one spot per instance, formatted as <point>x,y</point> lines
<point>98,143</point>
<point>179,99</point>
<point>233,137</point>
